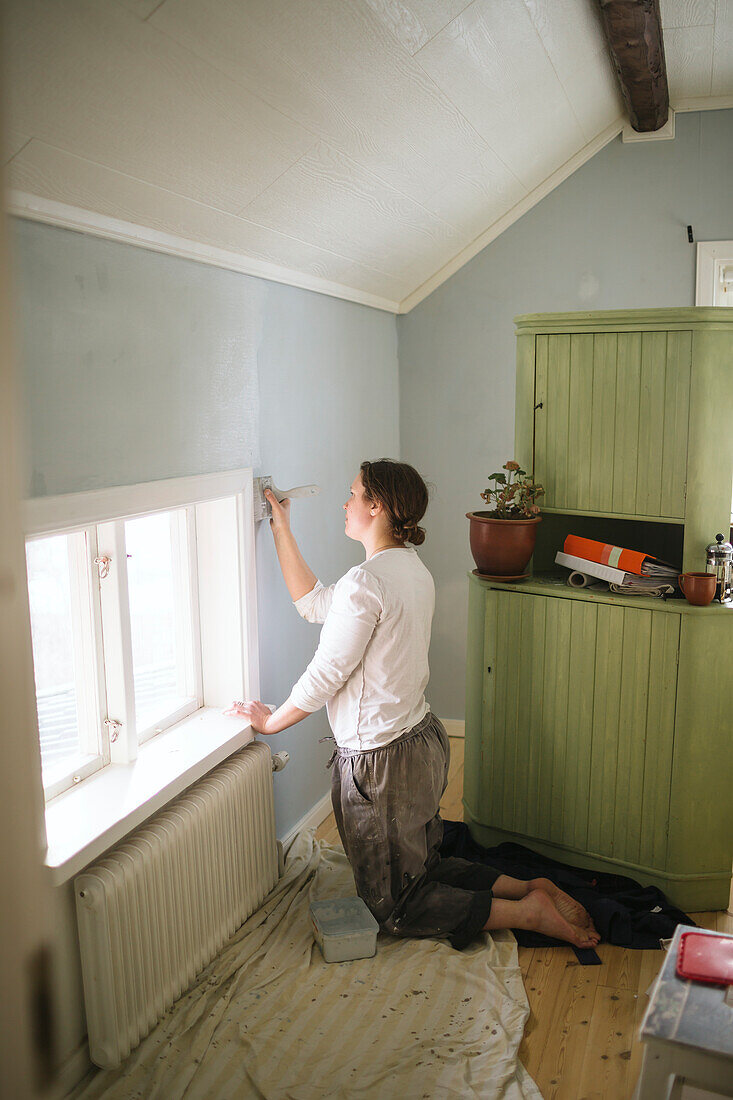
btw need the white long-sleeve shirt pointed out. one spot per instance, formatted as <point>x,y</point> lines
<point>371,665</point>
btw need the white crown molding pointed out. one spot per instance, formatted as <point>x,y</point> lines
<point>513,215</point>
<point>24,205</point>
<point>704,103</point>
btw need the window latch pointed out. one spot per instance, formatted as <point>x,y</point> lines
<point>103,565</point>
<point>113,728</point>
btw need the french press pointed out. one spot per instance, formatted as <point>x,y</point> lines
<point>720,562</point>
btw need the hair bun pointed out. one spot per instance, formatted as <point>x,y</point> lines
<point>409,531</point>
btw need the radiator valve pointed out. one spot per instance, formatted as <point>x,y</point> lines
<point>280,760</point>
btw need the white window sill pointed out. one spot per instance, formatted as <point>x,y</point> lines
<point>85,821</point>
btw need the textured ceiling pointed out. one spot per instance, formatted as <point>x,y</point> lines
<point>366,148</point>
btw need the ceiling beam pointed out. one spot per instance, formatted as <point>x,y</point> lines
<point>634,34</point>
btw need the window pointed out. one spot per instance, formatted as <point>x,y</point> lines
<point>714,273</point>
<point>139,619</point>
<point>68,688</point>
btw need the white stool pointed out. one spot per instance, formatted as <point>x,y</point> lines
<point>687,1033</point>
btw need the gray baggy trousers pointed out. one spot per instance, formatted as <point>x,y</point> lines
<point>386,802</point>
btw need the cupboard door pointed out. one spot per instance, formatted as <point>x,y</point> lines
<point>611,432</point>
<point>579,724</point>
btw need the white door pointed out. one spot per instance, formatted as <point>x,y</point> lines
<point>27,1026</point>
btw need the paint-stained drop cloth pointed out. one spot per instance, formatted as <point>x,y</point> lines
<point>268,1018</point>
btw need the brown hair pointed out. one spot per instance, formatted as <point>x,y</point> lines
<point>402,493</point>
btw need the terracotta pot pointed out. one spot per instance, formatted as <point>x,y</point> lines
<point>502,547</point>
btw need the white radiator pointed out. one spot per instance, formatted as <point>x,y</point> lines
<point>154,911</point>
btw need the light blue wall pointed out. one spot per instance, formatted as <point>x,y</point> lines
<point>133,367</point>
<point>612,236</point>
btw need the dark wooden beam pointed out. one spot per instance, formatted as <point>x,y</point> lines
<point>634,33</point>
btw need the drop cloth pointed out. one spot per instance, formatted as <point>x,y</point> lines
<point>268,1018</point>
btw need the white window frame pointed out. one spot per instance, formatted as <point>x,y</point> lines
<point>712,256</point>
<point>94,750</point>
<point>220,541</point>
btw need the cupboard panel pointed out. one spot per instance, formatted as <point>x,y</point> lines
<point>611,435</point>
<point>579,723</point>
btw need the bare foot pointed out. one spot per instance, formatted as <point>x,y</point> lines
<point>566,906</point>
<point>542,916</point>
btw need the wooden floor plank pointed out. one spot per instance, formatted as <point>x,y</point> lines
<point>620,967</point>
<point>543,980</point>
<point>567,1022</point>
<point>637,1048</point>
<point>605,1069</point>
<point>707,920</point>
<point>725,923</point>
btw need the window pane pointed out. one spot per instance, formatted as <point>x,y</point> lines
<point>157,617</point>
<point>49,591</point>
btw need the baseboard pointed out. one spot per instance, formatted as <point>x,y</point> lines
<point>315,817</point>
<point>72,1072</point>
<point>454,727</point>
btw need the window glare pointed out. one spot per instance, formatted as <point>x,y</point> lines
<point>49,592</point>
<point>158,668</point>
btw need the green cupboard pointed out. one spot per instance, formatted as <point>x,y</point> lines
<point>599,727</point>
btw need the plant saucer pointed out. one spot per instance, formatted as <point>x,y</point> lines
<point>492,577</point>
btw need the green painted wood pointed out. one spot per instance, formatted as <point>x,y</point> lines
<point>493,801</point>
<point>692,893</point>
<point>515,671</point>
<point>672,521</point>
<point>544,733</point>
<point>612,432</point>
<point>563,687</point>
<point>652,838</point>
<point>710,458</point>
<point>701,794</point>
<point>583,628</point>
<point>524,748</point>
<point>540,459</point>
<point>525,402</point>
<point>540,655</point>
<point>579,420</point>
<point>477,701</point>
<point>556,586</point>
<point>489,694</point>
<point>604,734</point>
<point>603,421</point>
<point>555,412</point>
<point>676,423</point>
<point>706,318</point>
<point>632,730</point>
<point>651,423</point>
<point>626,420</point>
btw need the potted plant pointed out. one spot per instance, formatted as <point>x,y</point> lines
<point>503,539</point>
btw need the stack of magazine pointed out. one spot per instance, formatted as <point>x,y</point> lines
<point>627,571</point>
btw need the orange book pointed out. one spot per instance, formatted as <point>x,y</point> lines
<point>631,561</point>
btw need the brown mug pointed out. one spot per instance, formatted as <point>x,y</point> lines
<point>698,588</point>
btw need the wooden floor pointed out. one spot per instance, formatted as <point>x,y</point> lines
<point>580,1042</point>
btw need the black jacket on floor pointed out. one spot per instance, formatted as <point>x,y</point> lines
<point>625,913</point>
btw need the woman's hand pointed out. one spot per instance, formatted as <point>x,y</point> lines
<point>280,512</point>
<point>257,714</point>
